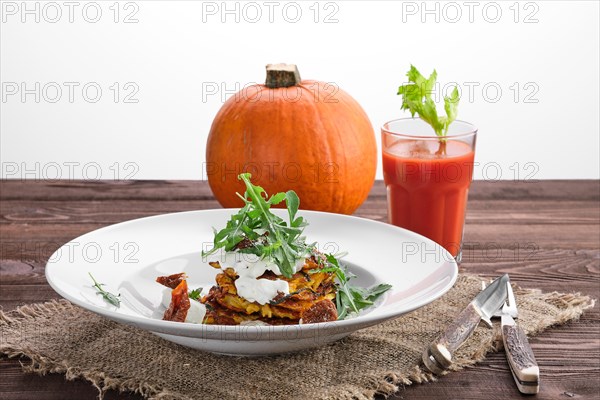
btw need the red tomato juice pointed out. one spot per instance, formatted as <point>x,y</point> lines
<point>427,191</point>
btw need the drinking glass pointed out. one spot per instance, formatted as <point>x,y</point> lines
<point>428,177</point>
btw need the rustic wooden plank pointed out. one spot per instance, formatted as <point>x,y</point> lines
<point>20,272</point>
<point>557,267</point>
<point>489,243</point>
<point>25,294</point>
<point>524,190</point>
<point>541,236</point>
<point>549,270</point>
<point>485,227</point>
<point>113,211</point>
<point>479,380</point>
<point>105,211</point>
<point>566,354</point>
<point>16,385</point>
<point>545,234</point>
<point>572,370</point>
<point>572,373</point>
<point>578,270</point>
<point>536,190</point>
<point>564,270</point>
<point>190,190</point>
<point>38,242</point>
<point>104,190</point>
<point>42,238</point>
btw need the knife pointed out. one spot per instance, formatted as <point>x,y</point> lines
<point>519,354</point>
<point>438,356</point>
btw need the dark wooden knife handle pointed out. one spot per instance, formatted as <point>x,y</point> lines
<point>443,348</point>
<point>520,357</point>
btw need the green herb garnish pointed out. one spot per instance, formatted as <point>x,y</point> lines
<point>109,297</point>
<point>416,97</point>
<point>349,298</point>
<point>195,294</point>
<point>281,242</point>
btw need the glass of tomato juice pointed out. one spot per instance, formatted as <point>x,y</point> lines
<point>428,177</point>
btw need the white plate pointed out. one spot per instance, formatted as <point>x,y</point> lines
<point>127,258</point>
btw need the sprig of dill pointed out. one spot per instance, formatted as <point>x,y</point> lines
<point>109,297</point>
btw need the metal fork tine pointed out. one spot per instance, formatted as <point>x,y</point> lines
<point>511,295</point>
<point>512,303</point>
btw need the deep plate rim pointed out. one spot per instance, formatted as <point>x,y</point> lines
<point>211,331</point>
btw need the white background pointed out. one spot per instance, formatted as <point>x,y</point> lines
<point>182,61</point>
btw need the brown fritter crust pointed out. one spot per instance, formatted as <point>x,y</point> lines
<point>323,311</point>
<point>171,281</point>
<point>308,287</point>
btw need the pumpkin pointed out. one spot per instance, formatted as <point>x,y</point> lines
<point>308,136</point>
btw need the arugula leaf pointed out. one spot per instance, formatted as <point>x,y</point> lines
<point>282,242</point>
<point>416,97</point>
<point>349,298</point>
<point>293,203</point>
<point>195,294</point>
<point>277,198</point>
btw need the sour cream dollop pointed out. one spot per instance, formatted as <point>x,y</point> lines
<point>249,267</point>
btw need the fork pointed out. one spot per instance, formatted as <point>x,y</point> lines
<point>519,354</point>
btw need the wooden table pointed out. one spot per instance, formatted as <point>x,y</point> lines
<point>546,234</point>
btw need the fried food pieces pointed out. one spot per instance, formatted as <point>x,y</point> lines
<point>311,292</point>
<point>180,301</point>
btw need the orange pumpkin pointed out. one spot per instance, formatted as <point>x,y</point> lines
<point>308,136</point>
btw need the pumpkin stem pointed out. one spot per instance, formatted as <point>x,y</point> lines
<point>282,75</point>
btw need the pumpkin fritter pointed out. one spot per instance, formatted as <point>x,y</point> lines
<point>307,287</point>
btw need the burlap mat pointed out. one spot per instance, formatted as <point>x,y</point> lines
<point>61,338</point>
